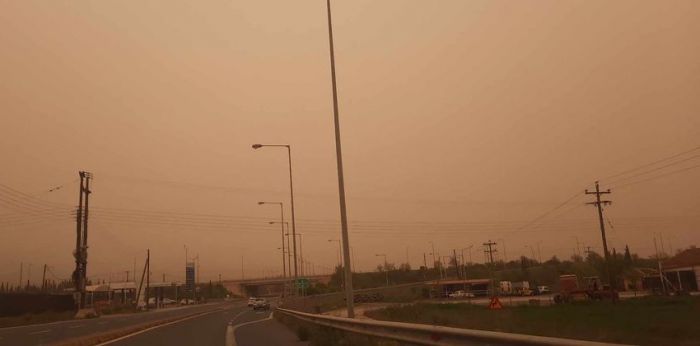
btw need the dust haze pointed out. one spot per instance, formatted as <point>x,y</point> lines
<point>462,122</point>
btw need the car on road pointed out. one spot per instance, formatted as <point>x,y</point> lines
<point>261,304</point>
<point>251,301</point>
<point>186,301</point>
<point>460,294</point>
<point>543,290</point>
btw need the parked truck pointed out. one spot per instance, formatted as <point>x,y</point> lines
<point>506,288</point>
<point>521,288</point>
<point>593,289</point>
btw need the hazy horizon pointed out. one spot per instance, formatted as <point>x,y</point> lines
<point>462,122</point>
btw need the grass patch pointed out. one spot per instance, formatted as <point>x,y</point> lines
<point>27,319</point>
<point>643,321</point>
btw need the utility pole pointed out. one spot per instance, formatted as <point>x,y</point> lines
<point>425,263</point>
<point>143,274</point>
<point>43,279</point>
<point>489,250</point>
<point>578,247</point>
<point>80,273</point>
<point>454,253</point>
<point>77,276</point>
<point>148,275</point>
<point>599,204</point>
<point>658,262</point>
<point>21,270</point>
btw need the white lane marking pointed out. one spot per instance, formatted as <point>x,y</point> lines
<point>119,316</point>
<point>155,327</point>
<point>39,332</point>
<point>238,315</point>
<point>230,337</point>
<point>231,330</point>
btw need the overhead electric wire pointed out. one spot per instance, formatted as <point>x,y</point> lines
<point>653,170</point>
<point>557,207</point>
<point>657,176</point>
<point>651,163</point>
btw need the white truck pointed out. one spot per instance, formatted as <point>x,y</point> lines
<point>522,288</point>
<point>506,287</point>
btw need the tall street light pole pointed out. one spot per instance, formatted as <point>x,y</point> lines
<point>341,179</point>
<point>386,267</point>
<point>301,252</point>
<point>284,270</point>
<point>289,255</point>
<point>291,191</point>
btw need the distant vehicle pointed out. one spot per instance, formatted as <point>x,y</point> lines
<point>251,301</point>
<point>593,290</point>
<point>168,301</point>
<point>506,287</point>
<point>461,294</point>
<point>261,304</point>
<point>543,290</point>
<point>522,288</point>
<point>186,301</point>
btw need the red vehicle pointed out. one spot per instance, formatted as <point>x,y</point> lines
<point>569,290</point>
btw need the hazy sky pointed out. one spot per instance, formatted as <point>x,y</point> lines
<point>462,121</point>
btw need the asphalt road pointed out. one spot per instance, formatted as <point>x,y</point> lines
<point>220,328</point>
<point>206,329</point>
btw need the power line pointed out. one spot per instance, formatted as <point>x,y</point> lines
<point>651,163</point>
<point>557,207</point>
<point>657,176</point>
<point>654,169</point>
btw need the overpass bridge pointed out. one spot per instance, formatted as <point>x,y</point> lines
<point>266,287</point>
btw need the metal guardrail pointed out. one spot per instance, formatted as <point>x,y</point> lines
<point>423,334</point>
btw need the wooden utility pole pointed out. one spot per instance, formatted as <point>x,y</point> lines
<point>43,279</point>
<point>489,249</point>
<point>454,253</point>
<point>148,275</point>
<point>77,276</point>
<point>599,204</point>
<point>80,273</point>
<point>21,270</point>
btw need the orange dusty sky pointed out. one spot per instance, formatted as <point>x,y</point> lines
<point>462,121</point>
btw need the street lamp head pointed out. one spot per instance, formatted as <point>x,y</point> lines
<point>272,222</point>
<point>257,146</point>
<point>261,203</point>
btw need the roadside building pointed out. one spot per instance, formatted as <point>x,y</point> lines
<point>682,271</point>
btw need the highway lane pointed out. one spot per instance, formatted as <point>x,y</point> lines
<point>267,332</point>
<point>212,329</point>
<point>42,334</point>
